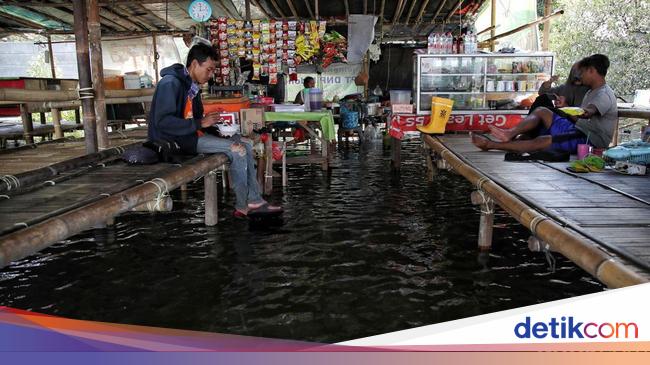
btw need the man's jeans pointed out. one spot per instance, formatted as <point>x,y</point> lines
<point>242,168</point>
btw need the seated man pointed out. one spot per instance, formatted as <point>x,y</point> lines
<point>309,83</point>
<point>177,115</point>
<point>595,126</point>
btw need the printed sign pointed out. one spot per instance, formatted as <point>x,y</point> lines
<point>401,123</point>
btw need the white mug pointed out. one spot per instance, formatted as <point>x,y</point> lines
<point>501,85</point>
<point>490,85</point>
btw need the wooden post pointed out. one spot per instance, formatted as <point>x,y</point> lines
<point>77,116</point>
<point>486,224</point>
<point>211,198</point>
<point>247,3</point>
<point>493,23</point>
<point>49,47</point>
<point>155,57</point>
<point>86,93</point>
<point>28,125</point>
<point>285,180</point>
<point>268,171</point>
<point>95,37</point>
<point>56,120</point>
<point>547,25</point>
<point>396,153</point>
<point>43,120</point>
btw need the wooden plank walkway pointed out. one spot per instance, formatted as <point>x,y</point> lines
<point>611,209</point>
<point>26,158</point>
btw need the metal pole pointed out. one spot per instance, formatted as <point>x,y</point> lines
<point>86,93</point>
<point>97,64</point>
<point>49,47</point>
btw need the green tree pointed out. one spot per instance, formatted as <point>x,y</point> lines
<point>616,28</point>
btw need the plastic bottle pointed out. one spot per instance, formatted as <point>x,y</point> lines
<point>431,43</point>
<point>449,39</point>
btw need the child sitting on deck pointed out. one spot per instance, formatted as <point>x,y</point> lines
<point>595,126</point>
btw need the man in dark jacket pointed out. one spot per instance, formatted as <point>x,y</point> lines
<point>177,115</point>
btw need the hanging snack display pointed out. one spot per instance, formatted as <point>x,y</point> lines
<point>335,47</point>
<point>270,44</point>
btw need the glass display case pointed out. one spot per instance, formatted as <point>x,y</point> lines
<point>480,82</point>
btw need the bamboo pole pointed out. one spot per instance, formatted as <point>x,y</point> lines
<point>493,23</point>
<point>486,221</point>
<point>97,65</point>
<point>311,13</point>
<point>453,11</point>
<point>347,8</point>
<point>16,96</point>
<point>247,5</point>
<point>85,83</point>
<point>28,124</point>
<point>156,56</point>
<point>408,15</point>
<point>583,252</point>
<point>164,204</point>
<point>528,25</point>
<point>211,199</point>
<point>398,12</point>
<point>27,241</point>
<point>56,120</point>
<point>292,8</point>
<point>547,25</point>
<point>438,10</point>
<point>421,13</point>
<point>48,105</point>
<point>316,9</point>
<point>277,8</point>
<point>49,48</point>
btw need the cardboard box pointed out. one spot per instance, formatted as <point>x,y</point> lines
<point>402,108</point>
<point>251,119</point>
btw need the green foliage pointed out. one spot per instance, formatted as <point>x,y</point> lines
<point>616,28</point>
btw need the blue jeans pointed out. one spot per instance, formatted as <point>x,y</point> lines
<point>242,168</point>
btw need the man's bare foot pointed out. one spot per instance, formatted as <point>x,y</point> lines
<point>503,135</point>
<point>480,141</point>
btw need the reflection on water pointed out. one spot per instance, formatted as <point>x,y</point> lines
<point>361,252</point>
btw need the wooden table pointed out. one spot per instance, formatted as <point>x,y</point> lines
<point>326,121</point>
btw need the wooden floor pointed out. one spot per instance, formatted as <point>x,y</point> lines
<point>609,208</point>
<point>14,161</point>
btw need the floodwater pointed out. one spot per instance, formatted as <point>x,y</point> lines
<point>361,252</point>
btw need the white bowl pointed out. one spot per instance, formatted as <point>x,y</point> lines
<point>228,130</point>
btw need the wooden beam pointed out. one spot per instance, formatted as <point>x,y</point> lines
<point>408,15</point>
<point>226,10</point>
<point>397,12</point>
<point>547,25</point>
<point>259,6</point>
<point>453,11</point>
<point>20,20</point>
<point>128,13</point>
<point>311,13</point>
<point>85,83</point>
<point>293,8</point>
<point>28,124</point>
<point>418,20</point>
<point>347,8</point>
<point>381,12</point>
<point>166,21</point>
<point>97,67</point>
<point>49,48</point>
<point>493,22</point>
<point>277,8</point>
<point>316,9</point>
<point>438,10</point>
<point>247,8</point>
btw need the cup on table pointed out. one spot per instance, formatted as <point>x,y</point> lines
<point>583,150</point>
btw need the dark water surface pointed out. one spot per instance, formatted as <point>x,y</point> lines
<point>361,252</point>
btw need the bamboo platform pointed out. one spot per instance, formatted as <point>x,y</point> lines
<point>598,218</point>
<point>30,157</point>
<point>36,216</point>
<point>15,131</point>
